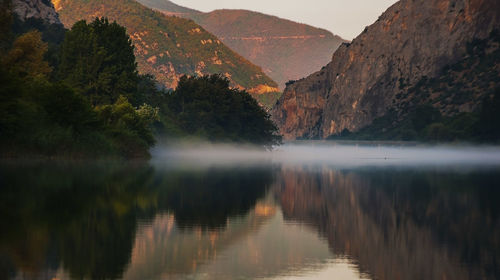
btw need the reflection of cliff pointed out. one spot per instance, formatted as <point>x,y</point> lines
<point>399,226</point>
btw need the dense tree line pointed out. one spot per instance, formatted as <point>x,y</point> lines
<point>50,114</point>
<point>85,98</point>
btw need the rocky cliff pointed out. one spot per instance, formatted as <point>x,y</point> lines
<point>38,9</point>
<point>411,40</point>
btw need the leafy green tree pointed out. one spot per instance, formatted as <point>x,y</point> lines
<point>207,107</point>
<point>129,127</point>
<point>98,60</point>
<point>26,57</point>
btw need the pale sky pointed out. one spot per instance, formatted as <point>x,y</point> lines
<point>346,18</point>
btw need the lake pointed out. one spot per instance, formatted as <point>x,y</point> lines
<point>310,210</point>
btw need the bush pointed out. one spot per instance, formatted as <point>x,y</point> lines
<point>128,128</point>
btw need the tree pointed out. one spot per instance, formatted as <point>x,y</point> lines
<point>129,127</point>
<point>490,118</point>
<point>98,60</point>
<point>5,23</point>
<point>26,57</point>
<point>207,107</point>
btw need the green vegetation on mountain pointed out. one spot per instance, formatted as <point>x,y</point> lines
<point>437,109</point>
<point>168,47</point>
<point>286,50</point>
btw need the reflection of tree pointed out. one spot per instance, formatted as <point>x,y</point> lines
<point>207,198</point>
<point>401,224</point>
<point>84,216</point>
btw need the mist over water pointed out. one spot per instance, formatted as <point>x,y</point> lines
<point>335,154</point>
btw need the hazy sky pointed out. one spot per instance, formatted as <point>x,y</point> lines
<point>346,18</point>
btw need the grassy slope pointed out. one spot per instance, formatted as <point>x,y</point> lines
<point>167,47</point>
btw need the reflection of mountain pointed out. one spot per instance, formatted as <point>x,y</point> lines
<point>258,245</point>
<point>162,248</point>
<point>401,225</point>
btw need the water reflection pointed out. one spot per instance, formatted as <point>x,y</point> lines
<point>81,219</point>
<point>149,221</point>
<point>402,224</point>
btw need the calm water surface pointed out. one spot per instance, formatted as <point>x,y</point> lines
<point>309,211</point>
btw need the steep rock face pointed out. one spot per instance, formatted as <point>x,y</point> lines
<point>39,9</point>
<point>412,39</point>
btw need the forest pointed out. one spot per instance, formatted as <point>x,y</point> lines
<point>77,93</point>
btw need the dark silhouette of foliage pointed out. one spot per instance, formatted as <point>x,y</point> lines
<point>98,61</point>
<point>207,107</point>
<point>5,23</point>
<point>43,117</point>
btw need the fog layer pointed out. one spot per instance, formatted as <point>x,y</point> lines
<point>328,153</point>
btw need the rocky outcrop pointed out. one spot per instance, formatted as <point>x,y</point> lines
<point>39,9</point>
<point>412,39</point>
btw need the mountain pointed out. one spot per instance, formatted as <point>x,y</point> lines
<point>285,49</point>
<point>168,7</point>
<point>169,47</point>
<point>383,69</point>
